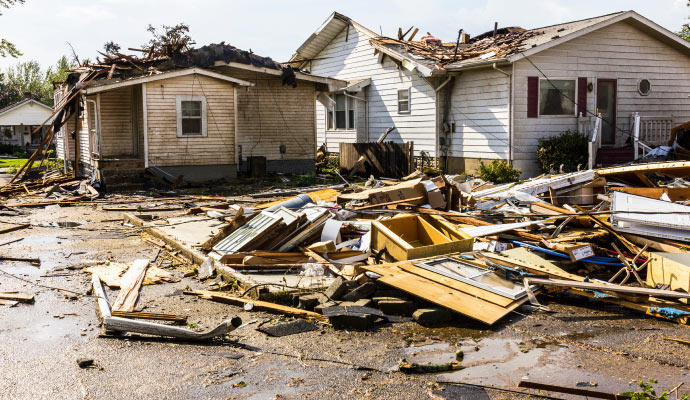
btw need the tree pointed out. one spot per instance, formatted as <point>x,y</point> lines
<point>685,29</point>
<point>173,41</point>
<point>28,79</point>
<point>7,48</point>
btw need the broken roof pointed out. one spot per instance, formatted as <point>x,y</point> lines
<point>507,45</point>
<point>121,67</point>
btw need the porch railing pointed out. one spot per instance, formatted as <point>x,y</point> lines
<point>649,132</point>
<point>591,127</point>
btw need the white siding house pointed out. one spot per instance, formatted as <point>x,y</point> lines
<point>496,98</point>
<point>349,56</point>
<point>19,120</point>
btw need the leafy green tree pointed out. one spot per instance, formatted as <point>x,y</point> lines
<point>685,29</point>
<point>29,79</point>
<point>7,48</point>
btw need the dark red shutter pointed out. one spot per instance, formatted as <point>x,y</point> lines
<point>582,96</point>
<point>532,96</point>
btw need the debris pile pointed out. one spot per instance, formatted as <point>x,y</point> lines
<point>430,248</point>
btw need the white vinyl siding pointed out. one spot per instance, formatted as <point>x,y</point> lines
<point>354,59</point>
<point>619,51</point>
<point>480,111</point>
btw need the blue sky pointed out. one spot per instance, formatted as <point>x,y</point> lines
<point>42,28</point>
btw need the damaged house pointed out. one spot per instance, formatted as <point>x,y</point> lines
<point>496,94</point>
<point>205,114</point>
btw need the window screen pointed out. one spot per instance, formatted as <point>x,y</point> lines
<point>404,100</point>
<point>191,117</point>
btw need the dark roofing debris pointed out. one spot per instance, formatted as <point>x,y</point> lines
<point>122,66</point>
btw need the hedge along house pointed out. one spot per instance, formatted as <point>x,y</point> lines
<point>18,121</point>
<point>202,117</point>
<point>495,95</point>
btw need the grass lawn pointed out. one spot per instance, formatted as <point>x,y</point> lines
<point>12,162</point>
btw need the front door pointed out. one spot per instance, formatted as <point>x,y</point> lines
<point>606,106</point>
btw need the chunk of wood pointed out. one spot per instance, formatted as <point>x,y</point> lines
<point>610,288</point>
<point>576,391</point>
<point>32,261</point>
<point>129,286</point>
<point>16,296</point>
<point>258,304</point>
<point>14,228</point>
<point>149,328</point>
<point>322,247</point>
<point>178,319</point>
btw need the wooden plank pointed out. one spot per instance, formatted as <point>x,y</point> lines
<point>611,288</point>
<point>155,316</point>
<point>129,286</point>
<point>529,261</point>
<point>444,296</point>
<point>258,304</point>
<point>576,391</point>
<point>457,285</point>
<point>15,296</point>
<point>14,228</point>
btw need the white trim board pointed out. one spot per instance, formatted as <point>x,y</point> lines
<point>165,75</point>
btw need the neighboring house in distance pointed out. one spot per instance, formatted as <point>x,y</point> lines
<point>202,118</point>
<point>498,93</point>
<point>18,121</point>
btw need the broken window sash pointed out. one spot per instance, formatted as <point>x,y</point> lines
<point>475,276</point>
<point>404,100</point>
<point>556,97</point>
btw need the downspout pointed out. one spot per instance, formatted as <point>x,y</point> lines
<point>437,130</point>
<point>510,109</point>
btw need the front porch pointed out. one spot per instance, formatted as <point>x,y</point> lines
<point>641,134</point>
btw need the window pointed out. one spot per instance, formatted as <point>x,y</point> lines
<point>644,87</point>
<point>404,101</point>
<point>557,96</point>
<point>191,116</point>
<point>342,116</point>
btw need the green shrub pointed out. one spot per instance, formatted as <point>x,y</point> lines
<point>498,171</point>
<point>568,149</point>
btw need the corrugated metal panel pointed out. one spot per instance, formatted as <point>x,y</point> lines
<point>243,236</point>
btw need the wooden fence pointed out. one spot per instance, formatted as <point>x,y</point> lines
<point>387,159</point>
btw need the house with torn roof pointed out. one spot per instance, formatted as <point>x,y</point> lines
<point>19,120</point>
<point>496,94</point>
<point>203,115</point>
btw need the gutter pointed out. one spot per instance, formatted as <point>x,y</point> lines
<point>479,64</point>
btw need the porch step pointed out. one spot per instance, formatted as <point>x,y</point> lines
<point>610,156</point>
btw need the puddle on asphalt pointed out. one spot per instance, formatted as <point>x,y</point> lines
<point>496,359</point>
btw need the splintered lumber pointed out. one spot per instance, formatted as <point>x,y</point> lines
<point>321,260</point>
<point>263,257</point>
<point>11,241</point>
<point>456,300</point>
<point>119,324</point>
<point>531,262</point>
<point>675,194</point>
<point>15,296</point>
<point>610,288</point>
<point>148,209</point>
<point>323,194</point>
<point>129,286</point>
<point>576,391</point>
<point>111,274</point>
<point>258,304</point>
<point>14,228</point>
<point>179,319</point>
<point>33,261</point>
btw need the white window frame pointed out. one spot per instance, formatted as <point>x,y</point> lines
<point>409,100</point>
<point>574,114</point>
<point>204,126</point>
<point>347,114</point>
